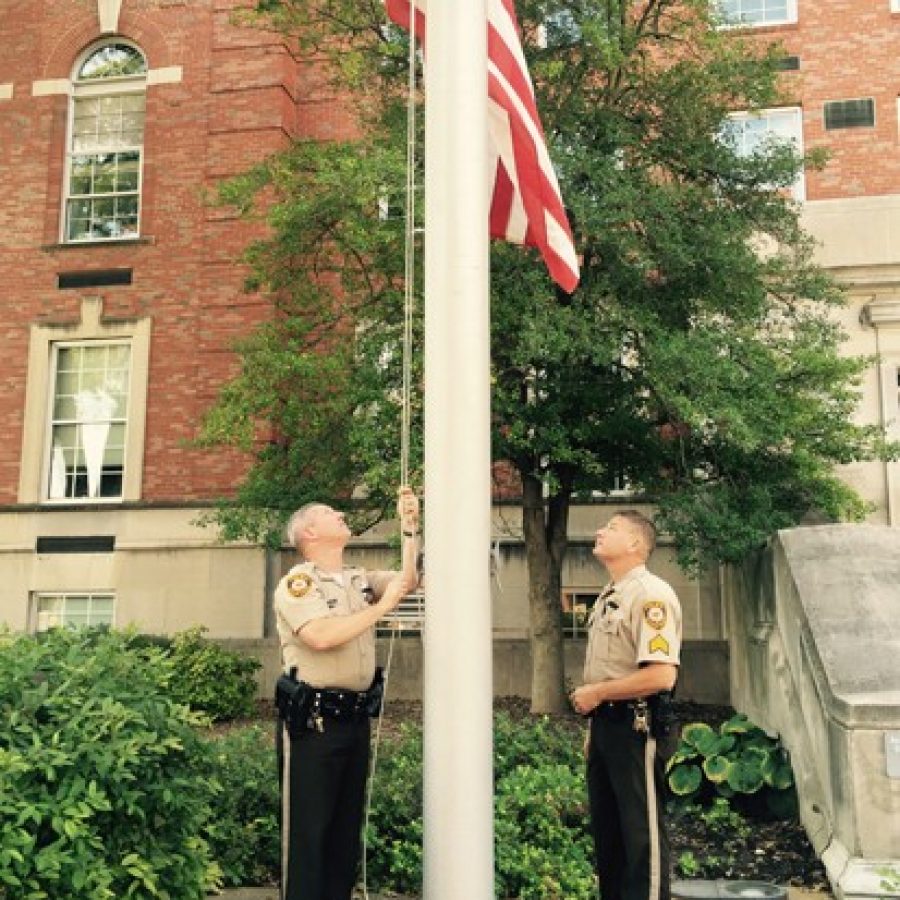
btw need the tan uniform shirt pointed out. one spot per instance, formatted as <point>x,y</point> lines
<point>636,620</point>
<point>306,593</point>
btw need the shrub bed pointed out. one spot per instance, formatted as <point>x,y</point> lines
<point>104,779</point>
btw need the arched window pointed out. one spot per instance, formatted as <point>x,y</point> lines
<point>106,140</point>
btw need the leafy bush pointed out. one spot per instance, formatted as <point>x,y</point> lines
<point>739,762</point>
<point>543,846</point>
<point>104,781</point>
<point>394,831</point>
<point>211,679</point>
<point>243,833</point>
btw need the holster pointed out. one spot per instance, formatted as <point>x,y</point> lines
<point>662,714</point>
<point>293,699</point>
<point>375,693</point>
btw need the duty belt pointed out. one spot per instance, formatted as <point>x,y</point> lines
<point>653,714</point>
<point>302,706</point>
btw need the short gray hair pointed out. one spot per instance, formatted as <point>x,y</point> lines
<point>298,521</point>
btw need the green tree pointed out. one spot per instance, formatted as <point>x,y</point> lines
<point>697,362</point>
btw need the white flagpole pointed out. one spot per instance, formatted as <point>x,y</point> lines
<point>458,690</point>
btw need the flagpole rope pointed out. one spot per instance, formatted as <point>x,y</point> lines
<point>409,269</point>
<point>409,262</point>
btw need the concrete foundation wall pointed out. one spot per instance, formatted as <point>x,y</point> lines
<point>814,640</point>
<point>704,672</point>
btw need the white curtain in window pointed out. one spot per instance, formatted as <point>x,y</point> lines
<point>58,473</point>
<point>94,409</point>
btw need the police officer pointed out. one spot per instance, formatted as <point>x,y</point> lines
<point>630,669</point>
<point>325,614</point>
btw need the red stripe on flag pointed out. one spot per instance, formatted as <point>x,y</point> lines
<point>524,179</point>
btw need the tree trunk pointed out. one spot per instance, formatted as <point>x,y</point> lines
<point>545,543</point>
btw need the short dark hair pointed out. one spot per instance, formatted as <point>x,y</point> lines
<point>645,527</point>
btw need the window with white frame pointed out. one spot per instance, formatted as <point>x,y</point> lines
<point>72,610</point>
<point>757,12</point>
<point>105,148</point>
<point>750,132</point>
<point>577,604</point>
<point>88,418</point>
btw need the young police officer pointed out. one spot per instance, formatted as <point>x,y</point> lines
<point>325,614</point>
<point>629,672</point>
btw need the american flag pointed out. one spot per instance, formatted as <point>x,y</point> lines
<point>526,205</point>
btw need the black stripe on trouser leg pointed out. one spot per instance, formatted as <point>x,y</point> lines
<point>325,806</point>
<point>630,839</point>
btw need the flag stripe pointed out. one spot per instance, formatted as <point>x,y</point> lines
<point>526,204</point>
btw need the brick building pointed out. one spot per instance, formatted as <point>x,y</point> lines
<point>121,298</point>
<point>121,295</point>
<point>842,94</point>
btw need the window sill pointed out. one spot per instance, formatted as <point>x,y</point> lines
<point>81,245</point>
<point>763,27</point>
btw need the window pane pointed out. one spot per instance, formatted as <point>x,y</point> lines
<point>64,408</point>
<point>127,178</point>
<point>113,61</point>
<point>106,141</point>
<point>756,12</point>
<point>126,206</point>
<point>105,177</point>
<point>77,605</point>
<point>751,134</point>
<point>73,610</point>
<point>90,406</point>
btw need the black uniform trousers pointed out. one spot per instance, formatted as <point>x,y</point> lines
<point>323,789</point>
<point>626,791</point>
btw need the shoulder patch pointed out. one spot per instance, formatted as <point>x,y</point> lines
<point>655,614</point>
<point>299,585</point>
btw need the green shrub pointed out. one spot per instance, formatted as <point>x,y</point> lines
<point>543,847</point>
<point>518,743</point>
<point>739,762</point>
<point>243,833</point>
<point>394,832</point>
<point>211,679</point>
<point>104,781</point>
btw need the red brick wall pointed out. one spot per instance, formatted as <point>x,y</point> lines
<point>848,49</point>
<point>243,94</point>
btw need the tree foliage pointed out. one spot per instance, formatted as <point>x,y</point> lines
<point>698,362</point>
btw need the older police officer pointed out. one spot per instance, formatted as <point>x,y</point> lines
<point>630,670</point>
<point>325,614</point>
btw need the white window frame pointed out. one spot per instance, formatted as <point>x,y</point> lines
<point>408,616</point>
<point>106,87</point>
<point>577,603</point>
<point>895,5</point>
<point>34,460</point>
<point>56,346</point>
<point>67,596</point>
<point>798,189</point>
<point>790,19</point>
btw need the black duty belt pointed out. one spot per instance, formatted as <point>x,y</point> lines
<point>615,710</point>
<point>654,714</point>
<point>302,706</point>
